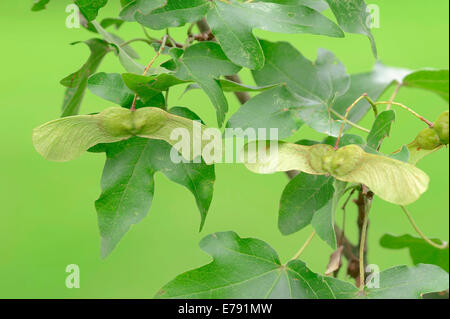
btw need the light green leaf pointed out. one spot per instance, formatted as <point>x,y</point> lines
<point>316,85</point>
<point>374,83</point>
<point>421,252</point>
<point>346,139</point>
<point>275,108</point>
<point>403,155</point>
<point>381,129</point>
<point>247,268</point>
<point>144,7</point>
<point>90,8</point>
<point>203,63</point>
<point>301,199</point>
<point>323,219</point>
<point>125,58</point>
<point>67,138</point>
<point>232,24</point>
<point>111,87</point>
<point>128,185</point>
<point>319,5</point>
<point>76,83</point>
<point>175,14</point>
<point>353,17</point>
<point>392,180</point>
<point>436,81</point>
<point>402,282</point>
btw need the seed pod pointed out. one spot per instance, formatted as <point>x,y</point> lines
<point>148,120</point>
<point>117,121</point>
<point>428,139</point>
<point>345,160</point>
<point>441,127</point>
<point>318,154</point>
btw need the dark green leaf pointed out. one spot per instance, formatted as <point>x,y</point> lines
<point>431,80</point>
<point>316,85</point>
<point>247,268</point>
<point>39,5</point>
<point>275,108</point>
<point>302,198</point>
<point>421,252</point>
<point>76,83</point>
<point>381,129</point>
<point>111,87</point>
<point>132,7</point>
<point>373,83</point>
<point>203,63</point>
<point>232,24</point>
<point>176,13</point>
<point>323,219</point>
<point>128,186</point>
<point>90,8</point>
<point>353,17</point>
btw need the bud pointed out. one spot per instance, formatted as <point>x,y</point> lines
<point>441,127</point>
<point>428,139</point>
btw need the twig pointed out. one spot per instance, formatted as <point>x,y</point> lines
<point>307,242</point>
<point>394,95</point>
<point>161,49</point>
<point>421,234</point>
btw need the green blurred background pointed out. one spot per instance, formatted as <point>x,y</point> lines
<point>47,215</point>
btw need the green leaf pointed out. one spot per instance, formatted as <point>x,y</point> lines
<point>403,155</point>
<point>402,282</point>
<point>39,5</point>
<point>67,138</point>
<point>353,17</point>
<point>323,219</point>
<point>319,5</point>
<point>247,268</point>
<point>381,129</point>
<point>374,83</point>
<point>175,14</point>
<point>125,58</point>
<point>142,7</point>
<point>232,24</point>
<point>128,185</point>
<point>76,83</point>
<point>147,87</point>
<point>436,81</point>
<point>111,87</point>
<point>346,139</point>
<point>203,63</point>
<point>275,108</point>
<point>316,85</point>
<point>392,180</point>
<point>301,199</point>
<point>421,252</point>
<point>90,8</point>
